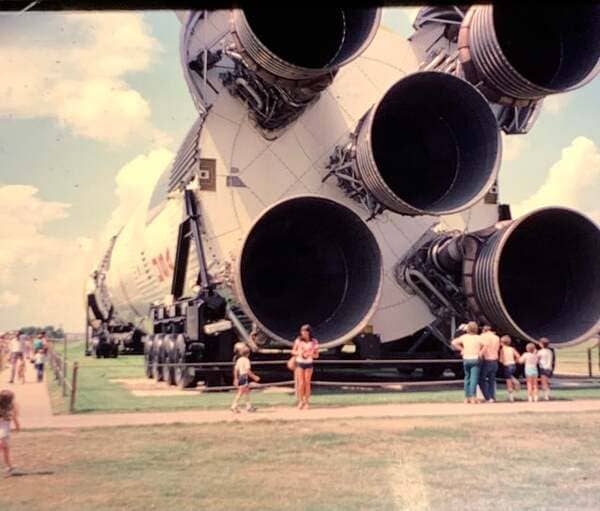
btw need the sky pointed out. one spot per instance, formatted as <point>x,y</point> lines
<point>94,105</point>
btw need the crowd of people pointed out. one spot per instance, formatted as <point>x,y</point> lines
<point>482,353</point>
<point>16,348</point>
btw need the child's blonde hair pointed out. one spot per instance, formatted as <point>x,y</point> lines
<point>506,340</point>
<point>7,403</point>
<point>241,349</point>
<point>530,347</point>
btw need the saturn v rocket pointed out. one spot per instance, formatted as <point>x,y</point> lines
<point>342,176</point>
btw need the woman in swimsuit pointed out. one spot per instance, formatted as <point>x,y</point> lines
<point>306,349</point>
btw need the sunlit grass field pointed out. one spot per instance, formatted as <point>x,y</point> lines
<point>522,462</point>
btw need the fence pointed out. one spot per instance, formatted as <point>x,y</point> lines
<point>60,368</point>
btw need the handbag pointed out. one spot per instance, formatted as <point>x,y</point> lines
<point>291,363</point>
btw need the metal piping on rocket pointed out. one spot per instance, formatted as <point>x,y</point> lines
<point>533,277</point>
<point>430,146</point>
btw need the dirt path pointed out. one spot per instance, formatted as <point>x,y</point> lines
<point>36,412</point>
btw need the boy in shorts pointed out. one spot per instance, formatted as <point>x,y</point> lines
<point>241,377</point>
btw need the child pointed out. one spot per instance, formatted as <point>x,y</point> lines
<point>241,375</point>
<point>8,412</point>
<point>546,361</point>
<point>508,358</point>
<point>530,359</point>
<point>38,360</point>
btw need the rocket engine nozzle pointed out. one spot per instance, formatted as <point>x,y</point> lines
<point>312,45</point>
<point>310,259</point>
<point>431,145</point>
<point>523,53</point>
<point>537,276</point>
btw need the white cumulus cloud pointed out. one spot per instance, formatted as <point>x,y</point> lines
<point>513,146</point>
<point>134,182</point>
<point>573,181</point>
<point>555,103</point>
<point>72,67</point>
<point>23,216</point>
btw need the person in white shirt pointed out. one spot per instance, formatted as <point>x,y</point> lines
<point>489,365</point>
<point>241,377</point>
<point>471,348</point>
<point>17,348</point>
<point>531,359</point>
<point>546,363</point>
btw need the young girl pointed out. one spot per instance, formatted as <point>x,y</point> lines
<point>508,358</point>
<point>305,349</point>
<point>241,375</point>
<point>530,359</point>
<point>8,412</point>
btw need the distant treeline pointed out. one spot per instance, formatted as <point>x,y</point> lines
<point>56,333</point>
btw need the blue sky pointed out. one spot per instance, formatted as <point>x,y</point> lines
<point>89,100</point>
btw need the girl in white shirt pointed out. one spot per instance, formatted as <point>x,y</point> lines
<point>531,359</point>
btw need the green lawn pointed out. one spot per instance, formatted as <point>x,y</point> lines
<point>530,462</point>
<point>98,393</point>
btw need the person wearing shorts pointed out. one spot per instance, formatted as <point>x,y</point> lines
<point>531,359</point>
<point>508,358</point>
<point>305,349</point>
<point>546,366</point>
<point>242,373</point>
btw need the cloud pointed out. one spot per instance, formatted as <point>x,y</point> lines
<point>555,103</point>
<point>23,215</point>
<point>72,68</point>
<point>573,181</point>
<point>9,299</point>
<point>513,146</point>
<point>42,274</point>
<point>134,182</point>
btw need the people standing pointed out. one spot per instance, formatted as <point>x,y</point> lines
<point>17,356</point>
<point>242,373</point>
<point>531,359</point>
<point>471,348</point>
<point>489,364</point>
<point>305,349</point>
<point>508,358</point>
<point>546,363</point>
<point>8,413</point>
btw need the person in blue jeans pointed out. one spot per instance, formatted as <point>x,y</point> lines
<point>489,365</point>
<point>471,348</point>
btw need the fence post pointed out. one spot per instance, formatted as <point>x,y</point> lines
<point>589,352</point>
<point>64,378</point>
<point>73,387</point>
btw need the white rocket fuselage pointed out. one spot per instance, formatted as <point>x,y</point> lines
<point>265,172</point>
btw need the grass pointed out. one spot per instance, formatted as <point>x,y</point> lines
<point>98,393</point>
<point>469,463</point>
